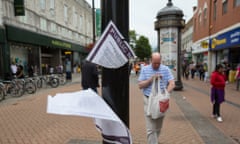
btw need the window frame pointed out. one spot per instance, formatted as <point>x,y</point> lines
<point>215,10</point>
<point>43,4</point>
<point>236,3</point>
<point>224,7</point>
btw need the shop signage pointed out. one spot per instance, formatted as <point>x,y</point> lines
<point>204,44</point>
<point>216,42</point>
<point>19,9</point>
<point>68,52</point>
<point>61,44</point>
<point>98,22</point>
<point>226,40</point>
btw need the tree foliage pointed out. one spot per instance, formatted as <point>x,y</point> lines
<point>143,48</point>
<point>140,45</point>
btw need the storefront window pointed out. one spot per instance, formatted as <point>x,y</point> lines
<point>236,3</point>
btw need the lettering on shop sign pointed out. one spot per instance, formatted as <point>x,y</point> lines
<point>62,44</point>
<point>204,44</point>
<point>19,9</point>
<point>235,37</point>
<point>216,42</point>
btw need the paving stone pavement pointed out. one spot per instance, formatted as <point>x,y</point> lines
<point>24,120</point>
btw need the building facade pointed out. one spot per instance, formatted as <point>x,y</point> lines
<point>51,32</point>
<point>186,48</point>
<point>216,34</point>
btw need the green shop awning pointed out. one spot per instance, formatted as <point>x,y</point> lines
<point>25,36</point>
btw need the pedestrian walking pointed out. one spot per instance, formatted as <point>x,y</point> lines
<point>237,77</point>
<point>205,67</point>
<point>187,71</point>
<point>217,91</point>
<point>201,72</point>
<point>89,75</point>
<point>147,74</point>
<point>184,66</point>
<point>136,68</point>
<point>192,69</point>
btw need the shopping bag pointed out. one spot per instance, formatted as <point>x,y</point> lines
<point>158,101</point>
<point>164,105</point>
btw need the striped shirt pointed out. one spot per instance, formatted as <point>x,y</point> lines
<point>148,71</point>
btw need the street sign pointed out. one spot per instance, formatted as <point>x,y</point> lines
<point>19,9</point>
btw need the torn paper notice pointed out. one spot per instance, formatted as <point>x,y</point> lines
<point>87,103</point>
<point>111,51</point>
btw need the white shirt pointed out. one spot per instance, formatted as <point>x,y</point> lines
<point>14,69</point>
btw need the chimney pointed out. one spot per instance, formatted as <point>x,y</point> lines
<point>194,8</point>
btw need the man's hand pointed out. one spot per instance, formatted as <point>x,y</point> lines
<point>146,83</point>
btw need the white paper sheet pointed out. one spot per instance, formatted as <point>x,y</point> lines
<point>87,103</point>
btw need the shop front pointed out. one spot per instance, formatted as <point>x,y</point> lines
<point>226,47</point>
<point>35,50</point>
<point>199,53</point>
<point>2,41</point>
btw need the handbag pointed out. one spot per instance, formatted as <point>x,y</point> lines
<point>158,101</point>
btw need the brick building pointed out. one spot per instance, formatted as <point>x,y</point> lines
<point>187,38</point>
<point>216,32</point>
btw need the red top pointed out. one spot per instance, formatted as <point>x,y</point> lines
<point>218,80</point>
<point>238,69</point>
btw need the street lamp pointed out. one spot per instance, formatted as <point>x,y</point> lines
<point>168,26</point>
<point>93,20</point>
<point>115,82</point>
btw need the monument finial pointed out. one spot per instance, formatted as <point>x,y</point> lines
<point>169,3</point>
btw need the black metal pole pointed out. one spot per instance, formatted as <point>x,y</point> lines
<point>115,82</point>
<point>93,19</point>
<point>178,82</point>
<point>158,41</point>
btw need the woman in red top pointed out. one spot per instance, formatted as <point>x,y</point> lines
<point>217,91</point>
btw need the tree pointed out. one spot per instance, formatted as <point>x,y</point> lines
<point>143,48</point>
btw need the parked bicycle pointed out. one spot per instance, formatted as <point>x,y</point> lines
<point>62,79</point>
<point>2,95</point>
<point>28,85</point>
<point>51,80</point>
<point>12,88</point>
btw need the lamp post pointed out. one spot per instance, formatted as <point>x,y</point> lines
<point>115,82</point>
<point>93,20</point>
<point>168,26</point>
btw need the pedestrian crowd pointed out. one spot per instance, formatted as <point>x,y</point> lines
<point>200,70</point>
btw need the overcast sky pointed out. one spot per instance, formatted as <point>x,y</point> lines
<point>143,14</point>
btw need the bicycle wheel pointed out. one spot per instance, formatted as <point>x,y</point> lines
<point>16,92</point>
<point>62,80</point>
<point>54,82</point>
<point>40,83</point>
<point>30,87</point>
